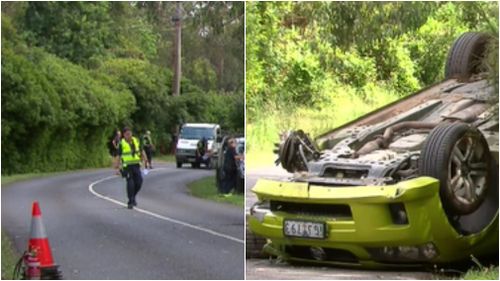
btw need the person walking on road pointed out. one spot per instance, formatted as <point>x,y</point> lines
<point>148,146</point>
<point>230,168</point>
<point>115,143</point>
<point>131,156</point>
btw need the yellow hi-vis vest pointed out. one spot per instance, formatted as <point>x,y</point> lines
<point>127,157</point>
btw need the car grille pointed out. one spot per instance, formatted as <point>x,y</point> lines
<point>326,210</point>
<point>334,255</point>
<point>189,152</point>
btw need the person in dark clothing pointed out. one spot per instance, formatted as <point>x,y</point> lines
<point>131,156</point>
<point>115,142</point>
<point>201,150</point>
<point>147,145</point>
<point>201,147</point>
<point>230,168</point>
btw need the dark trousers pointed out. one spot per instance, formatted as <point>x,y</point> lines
<point>134,181</point>
<point>149,153</point>
<point>229,181</point>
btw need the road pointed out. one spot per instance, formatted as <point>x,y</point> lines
<point>171,235</point>
<point>270,269</point>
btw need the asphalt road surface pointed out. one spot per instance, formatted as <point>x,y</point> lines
<point>171,235</point>
<point>270,269</point>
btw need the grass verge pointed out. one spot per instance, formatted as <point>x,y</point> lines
<point>206,189</point>
<point>22,177</point>
<point>9,257</point>
<point>485,273</point>
<point>165,158</point>
<point>340,105</point>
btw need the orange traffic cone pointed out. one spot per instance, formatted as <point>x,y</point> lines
<point>39,243</point>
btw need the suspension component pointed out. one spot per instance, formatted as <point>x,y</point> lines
<point>295,151</point>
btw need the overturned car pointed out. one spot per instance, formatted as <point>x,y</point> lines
<point>413,183</point>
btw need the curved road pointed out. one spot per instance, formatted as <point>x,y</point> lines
<point>171,235</point>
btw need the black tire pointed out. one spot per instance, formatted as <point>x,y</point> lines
<point>254,245</point>
<point>179,164</point>
<point>464,57</point>
<point>438,159</point>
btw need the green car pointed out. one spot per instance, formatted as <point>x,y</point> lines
<point>413,183</point>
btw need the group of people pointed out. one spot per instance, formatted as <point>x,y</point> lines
<point>128,153</point>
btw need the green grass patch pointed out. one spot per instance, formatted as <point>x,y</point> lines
<point>485,273</point>
<point>258,159</point>
<point>9,257</point>
<point>22,177</point>
<point>164,158</point>
<point>339,106</point>
<point>206,189</point>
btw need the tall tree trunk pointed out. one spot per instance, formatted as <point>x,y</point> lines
<point>177,19</point>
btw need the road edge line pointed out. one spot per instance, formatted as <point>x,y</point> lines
<point>158,216</point>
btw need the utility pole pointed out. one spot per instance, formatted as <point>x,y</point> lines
<point>177,20</point>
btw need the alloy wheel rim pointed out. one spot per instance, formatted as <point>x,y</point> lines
<point>468,170</point>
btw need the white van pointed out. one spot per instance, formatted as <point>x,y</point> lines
<point>189,136</point>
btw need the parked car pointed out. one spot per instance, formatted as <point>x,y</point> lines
<point>415,182</point>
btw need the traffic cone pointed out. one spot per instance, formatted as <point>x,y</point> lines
<point>39,249</point>
<point>39,243</point>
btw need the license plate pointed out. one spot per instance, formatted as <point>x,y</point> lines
<point>191,160</point>
<point>304,229</point>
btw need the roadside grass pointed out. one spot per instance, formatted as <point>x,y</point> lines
<point>9,257</point>
<point>258,159</point>
<point>339,107</point>
<point>484,273</point>
<point>206,189</point>
<point>164,158</point>
<point>22,177</point>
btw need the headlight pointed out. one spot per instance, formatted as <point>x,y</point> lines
<point>259,210</point>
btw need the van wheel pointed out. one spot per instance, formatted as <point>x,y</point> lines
<point>179,164</point>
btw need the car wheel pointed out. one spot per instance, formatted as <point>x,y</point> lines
<point>292,151</point>
<point>464,57</point>
<point>254,245</point>
<point>179,164</point>
<point>458,156</point>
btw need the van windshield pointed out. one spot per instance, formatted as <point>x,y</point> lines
<point>196,133</point>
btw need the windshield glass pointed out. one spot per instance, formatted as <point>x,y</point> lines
<point>195,133</point>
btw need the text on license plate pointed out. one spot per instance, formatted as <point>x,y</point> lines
<point>304,229</point>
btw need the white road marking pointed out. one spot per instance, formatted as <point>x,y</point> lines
<point>158,216</point>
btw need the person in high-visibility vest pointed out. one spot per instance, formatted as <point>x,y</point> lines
<point>148,146</point>
<point>131,156</point>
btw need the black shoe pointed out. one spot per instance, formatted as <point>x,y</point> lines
<point>134,203</point>
<point>130,206</point>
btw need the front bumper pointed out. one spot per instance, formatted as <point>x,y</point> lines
<point>371,233</point>
<point>185,156</point>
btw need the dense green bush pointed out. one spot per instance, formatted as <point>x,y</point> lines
<point>55,115</point>
<point>316,65</point>
<point>74,72</point>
